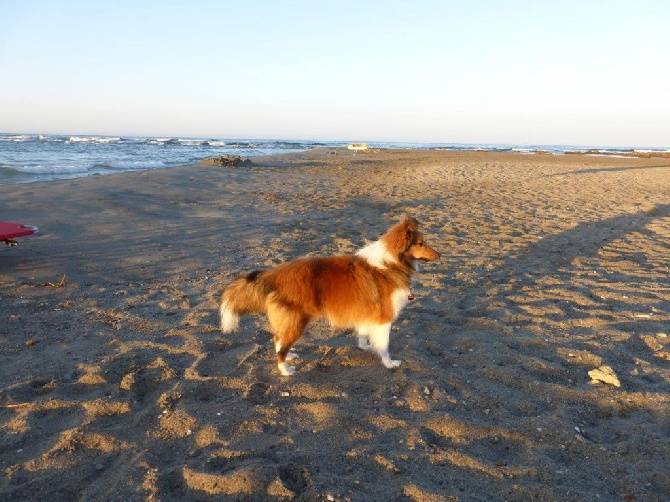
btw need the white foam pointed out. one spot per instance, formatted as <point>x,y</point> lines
<point>17,137</point>
<point>191,142</point>
<point>93,139</point>
<point>160,141</point>
<point>53,169</point>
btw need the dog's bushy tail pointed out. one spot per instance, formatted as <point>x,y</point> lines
<point>245,295</point>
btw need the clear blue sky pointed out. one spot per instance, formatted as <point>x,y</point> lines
<point>562,72</point>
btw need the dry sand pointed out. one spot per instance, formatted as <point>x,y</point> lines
<point>115,383</point>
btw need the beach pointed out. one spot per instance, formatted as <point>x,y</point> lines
<point>536,358</point>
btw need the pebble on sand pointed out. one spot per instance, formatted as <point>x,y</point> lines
<point>604,374</point>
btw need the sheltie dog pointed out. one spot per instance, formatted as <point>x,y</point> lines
<point>365,291</point>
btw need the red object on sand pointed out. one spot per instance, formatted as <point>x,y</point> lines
<point>10,230</point>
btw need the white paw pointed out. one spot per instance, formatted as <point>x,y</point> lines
<point>285,369</point>
<point>392,363</point>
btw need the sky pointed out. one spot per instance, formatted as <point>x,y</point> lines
<point>583,72</point>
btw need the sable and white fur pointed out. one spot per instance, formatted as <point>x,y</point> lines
<point>365,291</point>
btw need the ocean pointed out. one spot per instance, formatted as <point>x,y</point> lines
<point>26,158</point>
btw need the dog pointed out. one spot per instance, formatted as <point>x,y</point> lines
<point>365,291</point>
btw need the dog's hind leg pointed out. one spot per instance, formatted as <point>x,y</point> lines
<point>379,340</point>
<point>287,326</point>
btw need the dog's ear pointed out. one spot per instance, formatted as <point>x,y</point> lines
<point>411,227</point>
<point>407,229</point>
<point>410,222</point>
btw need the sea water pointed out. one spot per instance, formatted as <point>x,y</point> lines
<point>26,158</point>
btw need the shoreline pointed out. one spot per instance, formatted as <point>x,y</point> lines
<point>115,382</point>
<point>31,158</point>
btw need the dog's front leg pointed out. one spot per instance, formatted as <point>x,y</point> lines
<point>379,340</point>
<point>363,332</point>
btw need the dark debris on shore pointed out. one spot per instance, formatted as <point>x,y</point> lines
<point>226,161</point>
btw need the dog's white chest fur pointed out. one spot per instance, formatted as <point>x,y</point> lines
<point>399,299</point>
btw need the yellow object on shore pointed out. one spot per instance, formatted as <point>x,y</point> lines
<point>358,146</point>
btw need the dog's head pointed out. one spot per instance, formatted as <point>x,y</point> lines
<point>405,241</point>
